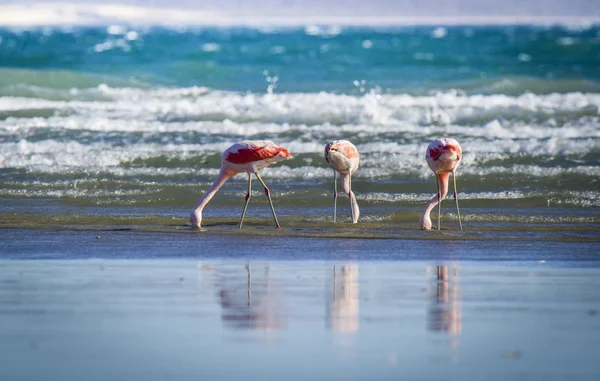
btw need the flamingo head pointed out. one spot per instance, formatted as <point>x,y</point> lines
<point>196,218</point>
<point>445,152</point>
<point>425,222</point>
<point>341,147</point>
<point>328,149</point>
<point>443,155</point>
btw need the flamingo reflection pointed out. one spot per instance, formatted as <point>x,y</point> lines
<point>343,305</point>
<point>248,302</point>
<point>445,311</point>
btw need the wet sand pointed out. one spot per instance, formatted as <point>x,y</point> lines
<point>266,243</point>
<point>162,306</point>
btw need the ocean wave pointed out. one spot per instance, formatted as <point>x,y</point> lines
<point>60,85</point>
<point>203,161</point>
<point>579,198</point>
<point>513,85</point>
<point>102,191</point>
<point>494,144</point>
<point>487,217</point>
<point>200,104</point>
<point>68,85</point>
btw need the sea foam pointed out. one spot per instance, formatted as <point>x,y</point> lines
<point>198,104</point>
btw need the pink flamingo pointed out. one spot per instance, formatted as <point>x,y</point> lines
<point>443,157</point>
<point>248,156</point>
<point>343,157</point>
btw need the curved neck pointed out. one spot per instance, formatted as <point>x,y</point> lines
<point>443,180</point>
<point>216,185</point>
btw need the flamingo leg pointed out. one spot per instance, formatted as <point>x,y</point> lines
<point>456,199</point>
<point>335,195</point>
<point>269,197</point>
<point>439,201</point>
<point>248,196</point>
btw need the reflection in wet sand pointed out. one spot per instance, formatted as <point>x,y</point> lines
<point>151,320</point>
<point>343,305</point>
<point>248,302</point>
<point>445,311</point>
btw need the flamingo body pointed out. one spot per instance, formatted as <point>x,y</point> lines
<point>250,156</point>
<point>443,157</point>
<point>342,156</point>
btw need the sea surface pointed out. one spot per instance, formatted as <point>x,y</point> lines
<point>125,125</point>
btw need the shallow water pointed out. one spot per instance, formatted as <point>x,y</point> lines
<point>272,319</point>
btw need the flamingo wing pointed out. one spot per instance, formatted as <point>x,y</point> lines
<point>349,150</point>
<point>247,152</point>
<point>342,146</point>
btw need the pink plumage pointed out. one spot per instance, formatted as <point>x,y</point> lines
<point>443,157</point>
<point>248,156</point>
<point>342,156</point>
<point>250,151</point>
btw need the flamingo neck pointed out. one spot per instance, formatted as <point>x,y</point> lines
<point>347,189</point>
<point>444,180</point>
<point>196,217</point>
<point>345,183</point>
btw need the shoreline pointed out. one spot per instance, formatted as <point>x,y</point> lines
<point>261,227</point>
<point>263,244</point>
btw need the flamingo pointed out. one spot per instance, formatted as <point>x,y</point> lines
<point>443,157</point>
<point>250,156</point>
<point>343,157</point>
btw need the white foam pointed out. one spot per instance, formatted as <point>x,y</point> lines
<point>70,192</point>
<point>115,29</point>
<point>483,217</point>
<point>321,108</point>
<point>387,129</point>
<point>304,108</point>
<point>492,124</point>
<point>211,47</point>
<point>577,198</point>
<point>367,44</point>
<point>51,156</point>
<point>439,32</point>
<point>112,44</point>
<point>424,197</point>
<point>492,141</point>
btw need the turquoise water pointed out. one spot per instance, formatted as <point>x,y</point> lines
<point>132,120</point>
<point>497,59</point>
